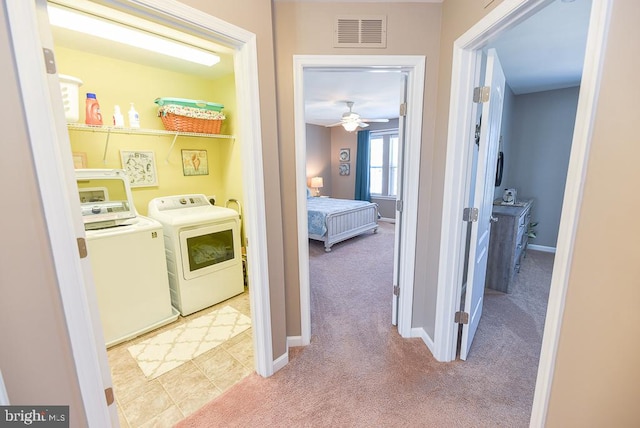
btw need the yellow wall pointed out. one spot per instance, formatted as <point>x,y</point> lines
<point>117,82</point>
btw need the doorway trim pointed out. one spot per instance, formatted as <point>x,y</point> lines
<point>466,50</point>
<point>415,66</point>
<point>44,122</point>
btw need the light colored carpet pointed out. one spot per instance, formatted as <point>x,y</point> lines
<point>358,372</point>
<point>170,349</point>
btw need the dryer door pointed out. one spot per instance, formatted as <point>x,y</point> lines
<point>208,248</point>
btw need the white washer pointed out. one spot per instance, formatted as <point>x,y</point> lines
<point>203,250</point>
<point>127,258</point>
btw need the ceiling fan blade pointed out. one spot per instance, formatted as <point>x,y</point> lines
<point>375,120</point>
<point>333,124</point>
<point>363,125</point>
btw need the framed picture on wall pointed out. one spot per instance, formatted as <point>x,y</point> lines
<point>194,162</point>
<point>140,167</point>
<point>345,155</point>
<point>345,169</point>
<point>79,160</point>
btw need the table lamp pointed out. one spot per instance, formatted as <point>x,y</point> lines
<point>316,182</point>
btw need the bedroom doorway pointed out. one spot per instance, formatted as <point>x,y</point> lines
<point>414,67</point>
<point>466,50</point>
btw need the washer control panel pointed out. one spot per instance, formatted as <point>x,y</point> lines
<point>179,202</point>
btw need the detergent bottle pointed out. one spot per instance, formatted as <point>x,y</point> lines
<point>93,115</point>
<point>118,119</point>
<point>134,118</point>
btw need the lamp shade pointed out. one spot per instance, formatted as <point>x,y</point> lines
<point>316,182</point>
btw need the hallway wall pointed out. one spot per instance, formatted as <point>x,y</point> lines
<point>306,28</point>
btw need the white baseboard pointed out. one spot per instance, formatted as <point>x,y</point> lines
<point>4,397</point>
<point>294,341</point>
<point>281,361</point>
<point>542,248</point>
<point>387,219</point>
<point>419,332</point>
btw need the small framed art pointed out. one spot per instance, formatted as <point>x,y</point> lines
<point>345,169</point>
<point>195,162</point>
<point>140,167</point>
<point>79,160</point>
<point>345,155</point>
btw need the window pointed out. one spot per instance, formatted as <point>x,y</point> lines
<point>383,163</point>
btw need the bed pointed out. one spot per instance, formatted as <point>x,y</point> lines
<point>335,220</point>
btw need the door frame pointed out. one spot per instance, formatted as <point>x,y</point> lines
<point>452,245</point>
<point>52,163</point>
<point>415,66</point>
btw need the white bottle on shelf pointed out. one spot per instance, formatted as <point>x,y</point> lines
<point>118,119</point>
<point>134,119</point>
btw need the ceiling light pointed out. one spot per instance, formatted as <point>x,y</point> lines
<point>71,20</point>
<point>350,126</point>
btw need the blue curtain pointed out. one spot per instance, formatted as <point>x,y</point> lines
<point>362,167</point>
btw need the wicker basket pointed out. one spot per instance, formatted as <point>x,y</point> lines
<point>184,115</point>
<point>174,122</point>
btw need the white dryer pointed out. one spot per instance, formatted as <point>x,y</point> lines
<point>127,257</point>
<point>203,250</point>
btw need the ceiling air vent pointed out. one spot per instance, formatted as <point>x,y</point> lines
<point>362,31</point>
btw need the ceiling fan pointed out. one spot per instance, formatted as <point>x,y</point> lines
<point>351,120</point>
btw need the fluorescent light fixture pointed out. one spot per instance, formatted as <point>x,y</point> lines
<point>71,20</point>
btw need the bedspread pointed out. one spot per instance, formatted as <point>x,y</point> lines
<point>319,208</point>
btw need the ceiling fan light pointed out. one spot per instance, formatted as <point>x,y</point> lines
<point>350,126</point>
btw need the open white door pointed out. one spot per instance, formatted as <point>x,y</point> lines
<point>64,148</point>
<point>483,199</point>
<point>398,228</point>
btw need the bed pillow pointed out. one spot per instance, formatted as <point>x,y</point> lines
<point>309,193</point>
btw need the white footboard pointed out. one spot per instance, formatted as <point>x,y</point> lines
<point>349,223</point>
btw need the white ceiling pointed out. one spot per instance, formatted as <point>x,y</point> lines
<point>544,52</point>
<point>376,95</point>
<point>547,50</point>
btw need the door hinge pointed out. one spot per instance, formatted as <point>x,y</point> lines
<point>82,247</point>
<point>481,94</point>
<point>396,290</point>
<point>470,215</point>
<point>399,205</point>
<point>108,394</point>
<point>49,61</point>
<point>403,109</point>
<point>461,317</point>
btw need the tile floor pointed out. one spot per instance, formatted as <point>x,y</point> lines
<point>171,397</point>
